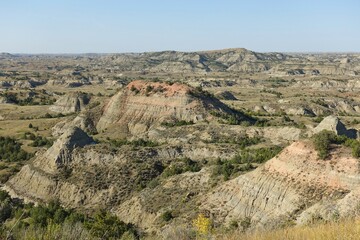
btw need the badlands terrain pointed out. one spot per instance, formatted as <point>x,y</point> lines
<point>177,145</point>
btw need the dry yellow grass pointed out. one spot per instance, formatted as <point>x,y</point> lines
<point>15,128</point>
<point>344,230</point>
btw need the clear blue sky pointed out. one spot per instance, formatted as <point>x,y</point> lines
<point>80,26</point>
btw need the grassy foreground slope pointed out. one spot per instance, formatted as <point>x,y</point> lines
<point>344,229</point>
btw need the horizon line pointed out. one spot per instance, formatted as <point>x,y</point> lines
<point>189,51</point>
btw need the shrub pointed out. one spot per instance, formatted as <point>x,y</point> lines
<point>184,165</point>
<point>39,141</point>
<point>245,223</point>
<point>167,216</point>
<point>177,123</point>
<point>10,150</point>
<point>149,88</point>
<point>323,140</point>
<point>242,162</point>
<point>134,89</point>
<point>52,221</point>
<point>3,195</point>
<point>234,225</point>
<point>355,146</point>
<point>5,210</point>
<point>202,224</point>
<point>153,183</point>
<point>107,226</point>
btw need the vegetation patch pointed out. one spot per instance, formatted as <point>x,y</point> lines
<point>35,99</point>
<point>177,123</point>
<point>244,161</point>
<point>167,216</point>
<point>181,166</point>
<point>242,141</point>
<point>234,118</point>
<point>52,221</point>
<point>324,139</point>
<point>136,143</point>
<point>10,150</point>
<point>278,94</point>
<point>38,141</point>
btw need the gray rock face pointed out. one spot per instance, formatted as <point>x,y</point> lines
<point>300,111</point>
<point>82,121</point>
<point>332,123</point>
<point>60,153</point>
<point>36,181</point>
<point>70,103</point>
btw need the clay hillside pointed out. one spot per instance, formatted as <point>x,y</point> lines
<point>292,186</point>
<point>223,144</point>
<point>143,105</point>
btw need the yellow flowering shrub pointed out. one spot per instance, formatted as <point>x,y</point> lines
<point>202,224</point>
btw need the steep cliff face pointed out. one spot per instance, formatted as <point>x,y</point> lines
<point>60,154</point>
<point>38,180</point>
<point>70,103</point>
<point>142,105</point>
<point>291,186</point>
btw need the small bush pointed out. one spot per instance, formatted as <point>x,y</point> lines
<point>167,216</point>
<point>149,88</point>
<point>177,123</point>
<point>355,146</point>
<point>183,165</point>
<point>39,141</point>
<point>202,225</point>
<point>323,140</point>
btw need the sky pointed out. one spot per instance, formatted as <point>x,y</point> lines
<point>113,26</point>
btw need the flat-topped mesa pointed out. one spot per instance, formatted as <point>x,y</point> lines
<point>60,153</point>
<point>142,105</point>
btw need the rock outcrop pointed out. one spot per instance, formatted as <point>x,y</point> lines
<point>332,123</point>
<point>82,121</point>
<point>225,95</point>
<point>290,186</point>
<point>70,103</point>
<point>142,105</point>
<point>37,181</point>
<point>59,154</point>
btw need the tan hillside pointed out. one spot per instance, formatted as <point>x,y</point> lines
<point>293,186</point>
<point>142,105</point>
